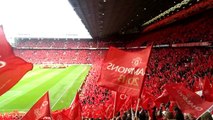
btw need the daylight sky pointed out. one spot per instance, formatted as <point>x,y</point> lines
<point>41,18</point>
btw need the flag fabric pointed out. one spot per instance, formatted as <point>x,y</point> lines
<point>121,99</point>
<point>188,101</point>
<point>109,111</point>
<point>58,115</point>
<point>40,110</point>
<point>208,90</point>
<point>75,110</point>
<point>163,98</point>
<point>124,71</point>
<point>128,103</point>
<point>12,68</point>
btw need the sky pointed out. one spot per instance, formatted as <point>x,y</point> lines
<point>40,18</point>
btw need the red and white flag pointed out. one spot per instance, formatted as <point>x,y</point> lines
<point>12,68</point>
<point>124,71</point>
<point>40,110</point>
<point>188,101</point>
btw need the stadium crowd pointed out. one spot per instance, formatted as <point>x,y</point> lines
<point>187,65</point>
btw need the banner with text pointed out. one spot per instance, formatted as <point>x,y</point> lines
<point>124,71</point>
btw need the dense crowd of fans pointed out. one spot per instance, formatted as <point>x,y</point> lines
<point>175,65</point>
<point>167,65</point>
<point>61,56</point>
<point>189,65</point>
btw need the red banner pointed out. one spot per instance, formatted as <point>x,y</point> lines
<point>40,110</point>
<point>188,101</point>
<point>124,71</point>
<point>12,68</point>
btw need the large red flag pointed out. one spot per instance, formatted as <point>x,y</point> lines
<point>40,110</point>
<point>74,111</point>
<point>12,68</point>
<point>188,101</point>
<point>208,90</point>
<point>124,71</point>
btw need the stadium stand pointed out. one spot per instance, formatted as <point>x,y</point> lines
<point>187,65</point>
<point>194,29</point>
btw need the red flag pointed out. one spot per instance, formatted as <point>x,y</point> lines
<point>12,68</point>
<point>40,110</point>
<point>147,103</point>
<point>128,103</point>
<point>74,111</point>
<point>188,101</point>
<point>163,98</point>
<point>208,90</point>
<point>124,71</point>
<point>109,111</point>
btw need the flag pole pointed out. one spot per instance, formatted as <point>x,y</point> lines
<point>49,103</point>
<point>115,103</point>
<point>138,102</point>
<point>143,81</point>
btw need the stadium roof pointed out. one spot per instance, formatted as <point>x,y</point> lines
<point>104,18</point>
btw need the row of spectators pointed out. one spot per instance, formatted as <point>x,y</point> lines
<point>45,43</point>
<point>61,56</point>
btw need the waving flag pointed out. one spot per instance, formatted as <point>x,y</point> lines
<point>124,71</point>
<point>12,68</point>
<point>188,101</point>
<point>40,110</point>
